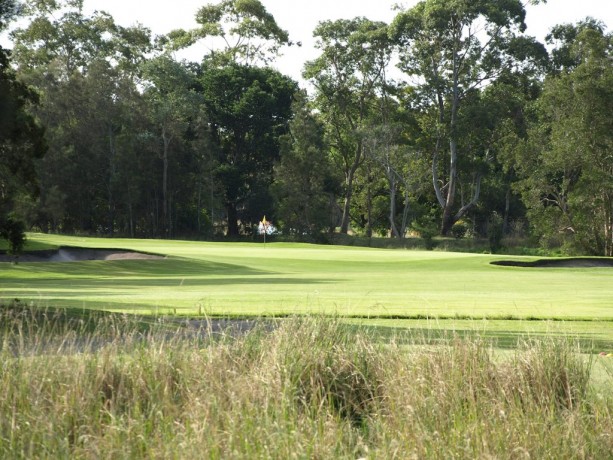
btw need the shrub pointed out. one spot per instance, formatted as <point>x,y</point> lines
<point>460,229</point>
<point>427,230</point>
<point>14,232</point>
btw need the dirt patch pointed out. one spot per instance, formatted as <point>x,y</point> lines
<point>579,262</point>
<point>67,254</point>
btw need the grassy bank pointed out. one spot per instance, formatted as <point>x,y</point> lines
<point>105,387</point>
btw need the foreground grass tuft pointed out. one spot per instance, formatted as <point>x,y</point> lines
<point>308,388</point>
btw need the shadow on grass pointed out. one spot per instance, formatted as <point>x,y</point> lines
<point>572,262</point>
<point>498,338</point>
<point>136,268</point>
<point>45,328</point>
<point>17,316</point>
<point>139,286</point>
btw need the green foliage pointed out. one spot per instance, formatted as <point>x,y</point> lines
<point>305,183</point>
<point>68,42</point>
<point>565,165</point>
<point>460,229</point>
<point>175,109</point>
<point>14,232</point>
<point>568,52</point>
<point>140,144</point>
<point>347,76</point>
<point>126,137</point>
<point>250,33</point>
<point>427,229</point>
<point>9,9</point>
<point>21,143</point>
<point>249,109</point>
<point>21,137</point>
<point>453,68</point>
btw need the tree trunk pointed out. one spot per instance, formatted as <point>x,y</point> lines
<point>232,219</point>
<point>131,217</point>
<point>369,206</point>
<point>165,214</point>
<point>405,213</point>
<point>347,202</point>
<point>608,224</point>
<point>199,208</point>
<point>448,216</point>
<point>349,176</point>
<point>392,215</point>
<point>109,185</point>
<point>507,207</point>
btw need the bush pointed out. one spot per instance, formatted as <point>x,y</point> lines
<point>14,232</point>
<point>459,229</point>
<point>427,229</point>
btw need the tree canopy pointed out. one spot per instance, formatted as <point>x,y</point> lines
<point>457,48</point>
<point>21,142</point>
<point>484,132</point>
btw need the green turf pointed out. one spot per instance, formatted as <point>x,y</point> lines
<point>31,245</point>
<point>283,278</point>
<point>595,336</point>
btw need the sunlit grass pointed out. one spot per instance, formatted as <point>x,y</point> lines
<point>411,354</point>
<point>283,278</point>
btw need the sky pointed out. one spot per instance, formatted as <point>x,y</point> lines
<point>299,18</point>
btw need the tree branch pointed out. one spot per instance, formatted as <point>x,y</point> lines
<point>472,202</point>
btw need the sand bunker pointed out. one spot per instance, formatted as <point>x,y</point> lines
<point>78,254</point>
<point>579,262</point>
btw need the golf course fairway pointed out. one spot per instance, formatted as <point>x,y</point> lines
<point>286,278</point>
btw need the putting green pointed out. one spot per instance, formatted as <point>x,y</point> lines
<point>284,278</point>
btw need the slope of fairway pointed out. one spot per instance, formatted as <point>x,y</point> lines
<point>283,278</point>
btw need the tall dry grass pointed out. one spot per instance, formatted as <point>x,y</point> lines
<point>310,388</point>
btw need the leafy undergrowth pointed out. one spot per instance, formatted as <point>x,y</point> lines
<point>308,388</point>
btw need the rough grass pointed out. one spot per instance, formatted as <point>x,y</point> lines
<point>309,388</point>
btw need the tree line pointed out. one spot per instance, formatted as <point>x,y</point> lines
<point>104,131</point>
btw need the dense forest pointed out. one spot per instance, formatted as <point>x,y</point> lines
<point>104,131</point>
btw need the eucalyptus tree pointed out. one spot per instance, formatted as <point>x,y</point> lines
<point>348,76</point>
<point>243,32</point>
<point>400,164</point>
<point>565,39</point>
<point>453,49</point>
<point>60,39</point>
<point>566,165</point>
<point>9,9</point>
